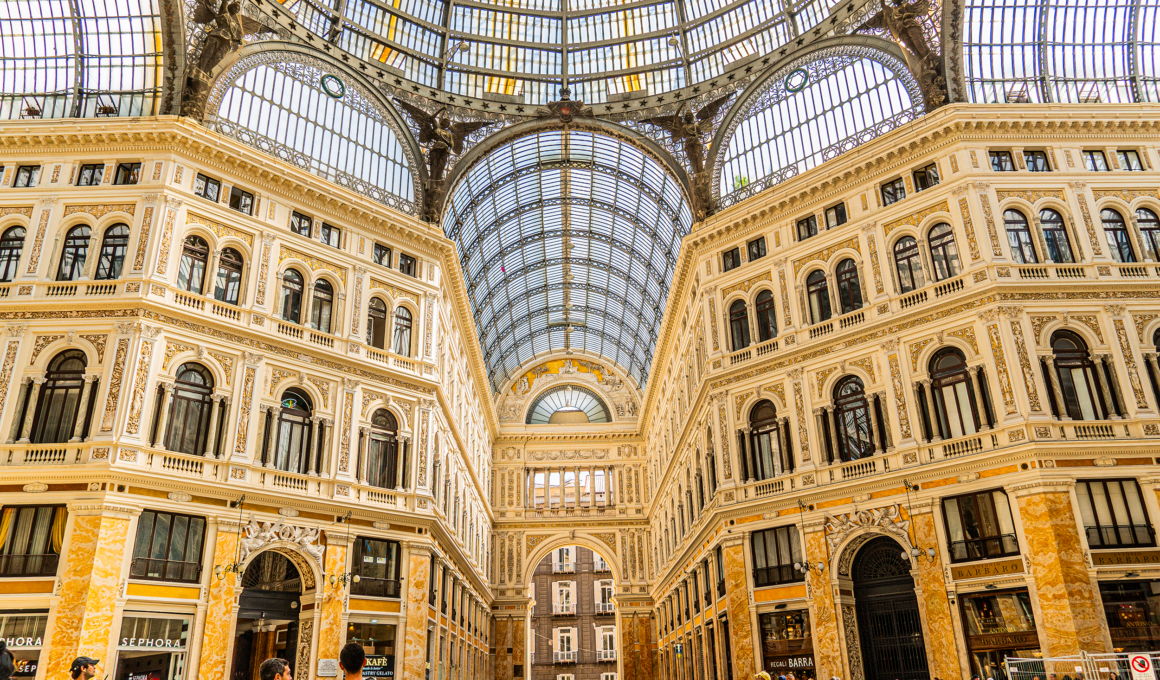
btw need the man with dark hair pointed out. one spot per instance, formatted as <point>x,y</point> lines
<point>352,658</point>
<point>274,669</point>
<point>83,668</point>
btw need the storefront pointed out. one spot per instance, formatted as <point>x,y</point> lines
<point>787,645</point>
<point>998,625</point>
<point>152,646</point>
<point>23,632</point>
<point>378,642</point>
<point>1133,612</point>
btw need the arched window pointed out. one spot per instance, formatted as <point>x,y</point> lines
<point>113,248</point>
<point>852,413</point>
<point>377,324</point>
<point>1077,378</point>
<point>766,316</point>
<point>849,292</point>
<point>1019,236</point>
<point>953,400</point>
<point>293,431</point>
<point>191,274</point>
<point>1117,233</point>
<point>229,277</point>
<point>909,265</point>
<point>1146,219</point>
<point>944,254</point>
<point>60,397</point>
<point>739,325</point>
<point>11,245</point>
<point>1055,236</point>
<point>322,306</point>
<point>768,457</point>
<point>402,343</point>
<point>819,295</point>
<point>292,296</point>
<point>383,451</point>
<point>76,250</point>
<point>190,413</point>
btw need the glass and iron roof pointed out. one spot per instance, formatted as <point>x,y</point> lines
<point>564,400</point>
<point>568,241</point>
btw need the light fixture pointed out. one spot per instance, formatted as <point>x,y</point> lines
<point>915,550</point>
<point>806,566</point>
<point>1132,574</point>
<point>345,578</point>
<point>991,586</point>
<point>235,567</point>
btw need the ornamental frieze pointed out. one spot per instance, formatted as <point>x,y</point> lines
<point>394,291</point>
<point>1031,196</point>
<point>315,263</point>
<point>747,284</point>
<point>99,211</point>
<point>825,253</point>
<point>220,229</point>
<point>916,218</point>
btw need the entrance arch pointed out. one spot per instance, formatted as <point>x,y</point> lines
<point>888,617</point>
<point>269,621</point>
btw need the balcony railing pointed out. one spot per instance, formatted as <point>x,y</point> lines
<point>984,548</point>
<point>1127,536</point>
<point>375,587</point>
<point>606,655</point>
<point>563,567</point>
<point>605,608</point>
<point>29,565</point>
<point>165,570</point>
<point>564,657</point>
<point>564,609</point>
<point>769,576</point>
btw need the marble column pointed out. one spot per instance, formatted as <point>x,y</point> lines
<point>835,445</point>
<point>331,632</point>
<point>1113,381</point>
<point>935,425</point>
<point>214,416</point>
<point>1070,618</point>
<point>30,412</point>
<point>272,444</point>
<point>880,407</point>
<point>217,638</point>
<point>363,440</point>
<point>83,408</point>
<point>1101,378</point>
<point>938,627</point>
<point>737,603</point>
<point>163,409</point>
<point>823,612</point>
<point>980,405</point>
<point>88,586</point>
<point>1053,376</point>
<point>820,422</point>
<point>312,455</point>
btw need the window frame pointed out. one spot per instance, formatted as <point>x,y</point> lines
<point>111,256</point>
<point>1053,231</point>
<point>755,249</point>
<point>1019,238</point>
<point>730,259</point>
<point>945,252</point>
<point>892,191</point>
<point>374,586</point>
<point>204,190</point>
<point>127,174</point>
<point>1035,158</point>
<point>241,201</point>
<point>1118,238</point>
<point>96,172</point>
<point>1003,540</point>
<point>1126,161</point>
<point>1094,160</point>
<point>408,264</point>
<point>1111,506</point>
<point>849,286</point>
<point>818,297</point>
<point>912,258</point>
<point>838,210</point>
<point>377,252</point>
<point>926,177</point>
<point>11,250</point>
<point>785,571</point>
<point>330,235</point>
<point>739,337</point>
<point>1149,231</point>
<point>234,271</point>
<point>807,227</point>
<point>299,221</point>
<point>74,254</point>
<point>190,568</point>
<point>1001,161</point>
<point>49,561</point>
<point>27,177</point>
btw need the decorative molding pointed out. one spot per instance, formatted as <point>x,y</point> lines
<point>915,218</point>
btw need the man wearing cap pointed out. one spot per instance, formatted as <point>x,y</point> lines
<point>83,668</point>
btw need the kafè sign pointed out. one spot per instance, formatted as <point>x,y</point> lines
<point>379,666</point>
<point>1000,568</point>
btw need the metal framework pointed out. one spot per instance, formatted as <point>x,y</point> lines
<point>568,398</point>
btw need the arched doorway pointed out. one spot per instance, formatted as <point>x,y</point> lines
<point>889,624</point>
<point>268,613</point>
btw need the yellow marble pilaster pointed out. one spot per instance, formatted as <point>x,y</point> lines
<point>939,629</point>
<point>219,613</point>
<point>636,649</point>
<point>823,611</point>
<point>1070,620</point>
<point>519,632</point>
<point>88,586</point>
<point>503,640</point>
<point>415,629</point>
<point>737,603</point>
<point>330,628</point>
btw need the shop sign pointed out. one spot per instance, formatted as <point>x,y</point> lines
<point>1000,568</point>
<point>379,666</point>
<point>152,643</point>
<point>1024,639</point>
<point>20,642</point>
<point>25,668</point>
<point>790,663</point>
<point>1118,559</point>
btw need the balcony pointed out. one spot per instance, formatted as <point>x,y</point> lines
<point>564,657</point>
<point>605,608</point>
<point>606,655</point>
<point>565,609</point>
<point>165,570</point>
<point>29,565</point>
<point>563,567</point>
<point>375,587</point>
<point>984,548</point>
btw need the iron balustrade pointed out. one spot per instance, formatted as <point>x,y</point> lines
<point>375,587</point>
<point>165,570</point>
<point>768,576</point>
<point>1003,545</point>
<point>29,565</point>
<point>1124,536</point>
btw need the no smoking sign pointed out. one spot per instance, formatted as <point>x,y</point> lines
<point>1141,666</point>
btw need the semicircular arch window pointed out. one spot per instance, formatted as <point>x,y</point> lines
<point>568,405</point>
<point>281,109</point>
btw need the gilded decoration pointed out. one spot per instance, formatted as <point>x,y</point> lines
<point>143,242</point>
<point>820,378</point>
<point>1043,432</point>
<point>166,236</point>
<point>172,349</point>
<point>38,241</point>
<point>177,174</point>
<point>745,285</point>
<point>825,253</point>
<point>1087,221</point>
<point>100,453</point>
<point>227,364</point>
<point>784,297</point>
<point>25,210</point>
<point>778,390</point>
<point>886,520</point>
<point>989,218</point>
<point>867,365</point>
<point>369,397</point>
<point>872,246</point>
<point>967,335</point>
<point>315,263</point>
<point>1130,362</point>
<point>969,227</point>
<point>713,322</point>
<point>1142,321</point>
<point>533,541</point>
<point>219,229</point>
<point>1001,368</point>
<point>42,341</point>
<point>6,370</point>
<point>263,274</point>
<point>394,291</point>
<point>954,163</point>
<point>157,170</point>
<point>244,410</point>
<point>738,402</point>
<point>1025,364</point>
<point>916,350</point>
<point>115,384</point>
<point>324,388</point>
<point>865,204</point>
<point>137,399</point>
<point>1029,195</point>
<point>800,407</point>
<point>1125,195</point>
<point>347,417</point>
<point>276,376</point>
<point>99,211</point>
<point>915,218</point>
<point>98,342</point>
<point>721,429</point>
<point>899,396</point>
<point>358,289</point>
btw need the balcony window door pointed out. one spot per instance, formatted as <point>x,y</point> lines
<point>322,306</point>
<point>11,247</point>
<point>1019,237</point>
<point>377,564</point>
<point>74,254</point>
<point>228,284</point>
<point>944,254</point>
<point>293,432</point>
<point>112,256</point>
<point>853,420</point>
<point>739,325</point>
<point>168,547</point>
<point>766,316</point>
<point>1146,219</point>
<point>818,292</point>
<point>292,288</point>
<point>765,443</point>
<point>192,407</point>
<point>849,291</point>
<point>60,396</point>
<point>775,552</point>
<point>1055,236</point>
<point>402,341</point>
<point>1077,379</point>
<point>979,526</point>
<point>377,323</point>
<point>383,451</point>
<point>191,271</point>
<point>1113,514</point>
<point>1116,232</point>
<point>953,400</point>
<point>909,264</point>
<point>30,539</point>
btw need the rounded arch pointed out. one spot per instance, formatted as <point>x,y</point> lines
<point>53,349</point>
<point>559,398</point>
<point>846,550</point>
<point>298,68</point>
<point>391,406</point>
<point>1063,326</point>
<point>933,220</point>
<point>308,566</point>
<point>927,354</point>
<point>192,356</point>
<point>304,388</point>
<point>750,404</point>
<point>567,540</point>
<point>1124,208</point>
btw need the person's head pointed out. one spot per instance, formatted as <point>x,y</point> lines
<point>352,658</point>
<point>274,669</point>
<point>7,668</point>
<point>83,668</point>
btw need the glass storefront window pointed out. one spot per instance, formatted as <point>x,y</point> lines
<point>1133,612</point>
<point>998,625</point>
<point>23,632</point>
<point>152,647</point>
<point>787,644</point>
<point>378,642</point>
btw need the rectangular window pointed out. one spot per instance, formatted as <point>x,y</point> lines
<point>1036,161</point>
<point>27,176</point>
<point>381,255</point>
<point>1001,161</point>
<point>786,641</point>
<point>608,676</point>
<point>300,224</point>
<point>607,651</point>
<point>775,551</point>
<point>90,175</point>
<point>565,645</point>
<point>706,585</point>
<point>598,564</point>
<point>24,631</point>
<point>207,187</point>
<point>807,227</point>
<point>407,264</point>
<point>1129,160</point>
<point>720,573</point>
<point>925,178</point>
<point>1132,609</point>
<point>127,173</point>
<point>431,594</point>
<point>562,598</point>
<point>695,595</point>
<point>726,648</point>
<point>30,538</point>
<point>242,201</point>
<point>1095,161</point>
<point>168,547</point>
<point>730,259</point>
<point>993,619</point>
<point>835,215</point>
<point>893,191</point>
<point>1113,513</point>
<point>564,563</point>
<point>756,248</point>
<point>331,236</point>
<point>376,562</point>
<point>604,604</point>
<point>979,526</point>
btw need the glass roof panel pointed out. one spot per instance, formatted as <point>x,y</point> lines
<point>568,241</point>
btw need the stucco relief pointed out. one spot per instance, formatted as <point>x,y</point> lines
<point>887,520</point>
